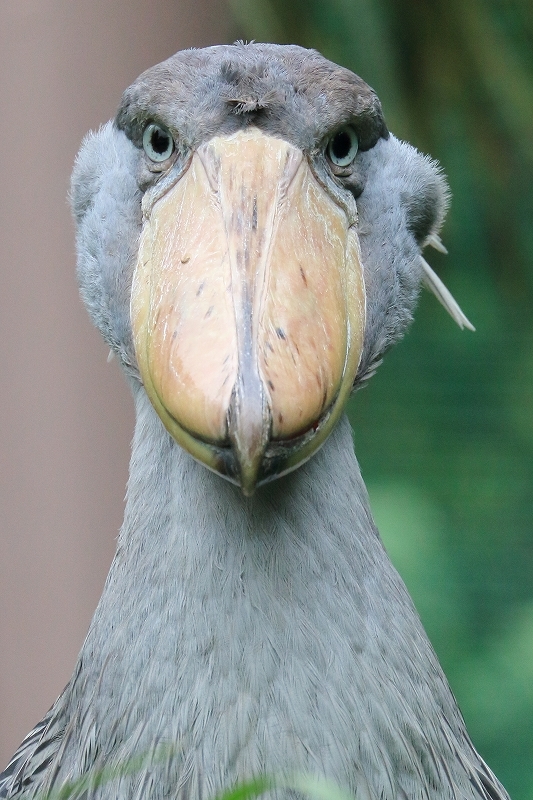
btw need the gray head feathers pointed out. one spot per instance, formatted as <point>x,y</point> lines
<point>288,92</point>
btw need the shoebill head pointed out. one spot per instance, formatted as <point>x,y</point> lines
<point>250,239</point>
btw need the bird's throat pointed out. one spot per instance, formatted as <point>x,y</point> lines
<point>251,635</point>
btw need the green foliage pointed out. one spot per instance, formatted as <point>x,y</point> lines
<point>444,432</point>
<point>310,786</point>
<point>302,785</point>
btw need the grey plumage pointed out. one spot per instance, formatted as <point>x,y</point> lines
<point>270,633</point>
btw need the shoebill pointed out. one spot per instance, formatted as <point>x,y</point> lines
<point>250,241</point>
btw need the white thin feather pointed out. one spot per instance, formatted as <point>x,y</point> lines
<point>431,281</point>
<point>434,241</point>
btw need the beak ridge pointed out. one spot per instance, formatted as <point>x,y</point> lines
<point>248,308</point>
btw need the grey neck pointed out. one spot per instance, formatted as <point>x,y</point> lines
<point>264,634</point>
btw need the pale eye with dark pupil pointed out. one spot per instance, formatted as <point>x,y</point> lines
<point>157,142</point>
<point>342,147</point>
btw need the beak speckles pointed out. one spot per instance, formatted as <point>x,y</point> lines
<point>238,345</point>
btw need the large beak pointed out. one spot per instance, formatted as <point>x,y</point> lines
<point>248,308</point>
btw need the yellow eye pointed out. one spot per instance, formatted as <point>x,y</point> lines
<point>342,147</point>
<point>157,142</point>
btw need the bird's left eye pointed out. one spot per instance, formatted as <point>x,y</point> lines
<point>157,142</point>
<point>342,147</point>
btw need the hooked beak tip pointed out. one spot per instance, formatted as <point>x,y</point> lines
<point>249,426</point>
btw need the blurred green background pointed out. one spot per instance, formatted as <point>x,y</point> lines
<point>444,432</point>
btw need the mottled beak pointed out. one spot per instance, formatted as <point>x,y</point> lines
<point>248,307</point>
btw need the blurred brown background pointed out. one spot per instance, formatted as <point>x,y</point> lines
<point>65,414</point>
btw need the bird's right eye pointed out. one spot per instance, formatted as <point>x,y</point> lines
<point>158,143</point>
<point>342,147</point>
